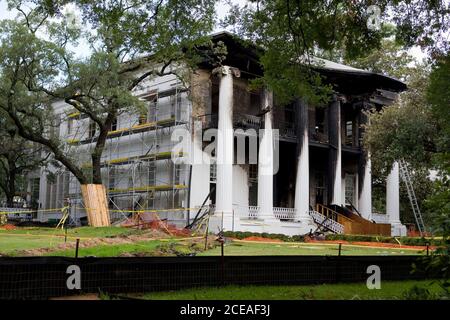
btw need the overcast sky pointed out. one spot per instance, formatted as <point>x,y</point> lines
<point>221,10</point>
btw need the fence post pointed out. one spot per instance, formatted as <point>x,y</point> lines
<point>338,265</point>
<point>76,248</point>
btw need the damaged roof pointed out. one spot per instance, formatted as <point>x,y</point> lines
<point>245,56</point>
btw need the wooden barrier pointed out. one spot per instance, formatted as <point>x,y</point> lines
<point>354,224</point>
<point>94,197</point>
<point>357,225</point>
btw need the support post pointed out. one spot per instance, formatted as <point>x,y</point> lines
<point>364,174</point>
<point>393,201</point>
<point>335,162</point>
<point>225,149</point>
<point>265,160</point>
<point>365,187</point>
<point>302,176</point>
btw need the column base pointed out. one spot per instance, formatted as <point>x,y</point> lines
<point>223,220</point>
<point>307,223</point>
<point>267,216</point>
<point>398,229</point>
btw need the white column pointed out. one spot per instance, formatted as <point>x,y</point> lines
<point>200,174</point>
<point>365,197</point>
<point>337,184</point>
<point>302,177</point>
<point>393,195</point>
<point>393,201</point>
<point>225,150</point>
<point>265,161</point>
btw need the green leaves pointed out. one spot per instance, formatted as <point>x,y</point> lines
<point>291,31</point>
<point>131,42</point>
<point>406,129</point>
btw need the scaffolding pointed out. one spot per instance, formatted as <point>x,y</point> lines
<point>137,166</point>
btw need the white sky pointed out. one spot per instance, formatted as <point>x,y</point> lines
<point>221,11</point>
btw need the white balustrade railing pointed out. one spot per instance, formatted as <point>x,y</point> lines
<point>380,218</point>
<point>284,213</point>
<point>246,211</point>
<point>255,212</point>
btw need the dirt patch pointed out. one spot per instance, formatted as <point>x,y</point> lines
<point>151,221</point>
<point>93,242</point>
<point>261,239</point>
<point>8,227</point>
<point>373,244</point>
<point>186,247</point>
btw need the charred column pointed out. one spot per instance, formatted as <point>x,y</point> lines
<point>334,155</point>
<point>266,160</point>
<point>364,178</point>
<point>302,177</point>
<point>225,148</point>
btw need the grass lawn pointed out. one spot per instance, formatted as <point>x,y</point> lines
<point>390,290</point>
<point>141,247</point>
<point>252,249</point>
<point>35,238</point>
<point>13,241</point>
<point>81,232</point>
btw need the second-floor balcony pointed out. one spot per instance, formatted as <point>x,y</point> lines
<point>248,121</point>
<point>240,120</point>
<point>286,129</point>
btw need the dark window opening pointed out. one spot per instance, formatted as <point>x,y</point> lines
<point>149,115</point>
<point>349,133</point>
<point>113,125</point>
<point>320,120</point>
<point>92,129</point>
<point>253,185</point>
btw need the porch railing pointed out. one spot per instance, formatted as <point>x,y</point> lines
<point>380,217</point>
<point>284,213</point>
<point>240,120</point>
<point>250,212</point>
<point>254,212</point>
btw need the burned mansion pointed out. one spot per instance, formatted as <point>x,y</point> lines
<point>310,170</point>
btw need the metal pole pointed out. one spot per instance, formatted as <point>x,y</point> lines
<point>222,262</point>
<point>340,248</point>
<point>77,245</point>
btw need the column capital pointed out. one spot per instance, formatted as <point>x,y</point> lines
<point>225,70</point>
<point>339,97</point>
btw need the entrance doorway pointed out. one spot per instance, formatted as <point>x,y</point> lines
<point>319,179</point>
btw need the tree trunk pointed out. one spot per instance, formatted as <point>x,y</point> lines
<point>99,147</point>
<point>9,200</point>
<point>94,197</point>
<point>11,187</point>
<point>96,157</point>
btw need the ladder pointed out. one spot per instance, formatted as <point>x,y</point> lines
<point>406,177</point>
